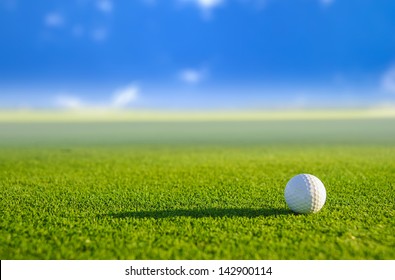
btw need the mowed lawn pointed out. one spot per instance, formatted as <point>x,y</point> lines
<point>198,190</point>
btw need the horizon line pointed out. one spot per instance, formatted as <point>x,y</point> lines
<point>128,115</point>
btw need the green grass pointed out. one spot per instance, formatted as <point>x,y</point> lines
<point>195,190</point>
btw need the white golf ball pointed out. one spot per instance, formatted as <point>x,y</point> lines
<point>305,193</point>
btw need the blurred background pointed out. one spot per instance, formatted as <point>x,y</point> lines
<point>197,54</point>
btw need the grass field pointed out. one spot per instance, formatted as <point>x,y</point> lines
<point>201,190</point>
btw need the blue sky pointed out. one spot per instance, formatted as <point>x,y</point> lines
<point>197,54</point>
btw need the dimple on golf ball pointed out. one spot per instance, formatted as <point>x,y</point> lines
<point>305,193</point>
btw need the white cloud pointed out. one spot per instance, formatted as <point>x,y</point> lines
<point>54,20</point>
<point>206,6</point>
<point>388,80</point>
<point>327,2</point>
<point>99,34</point>
<point>69,102</point>
<point>121,98</point>
<point>192,76</point>
<point>125,96</point>
<point>106,6</point>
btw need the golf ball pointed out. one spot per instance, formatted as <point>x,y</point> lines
<point>305,193</point>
